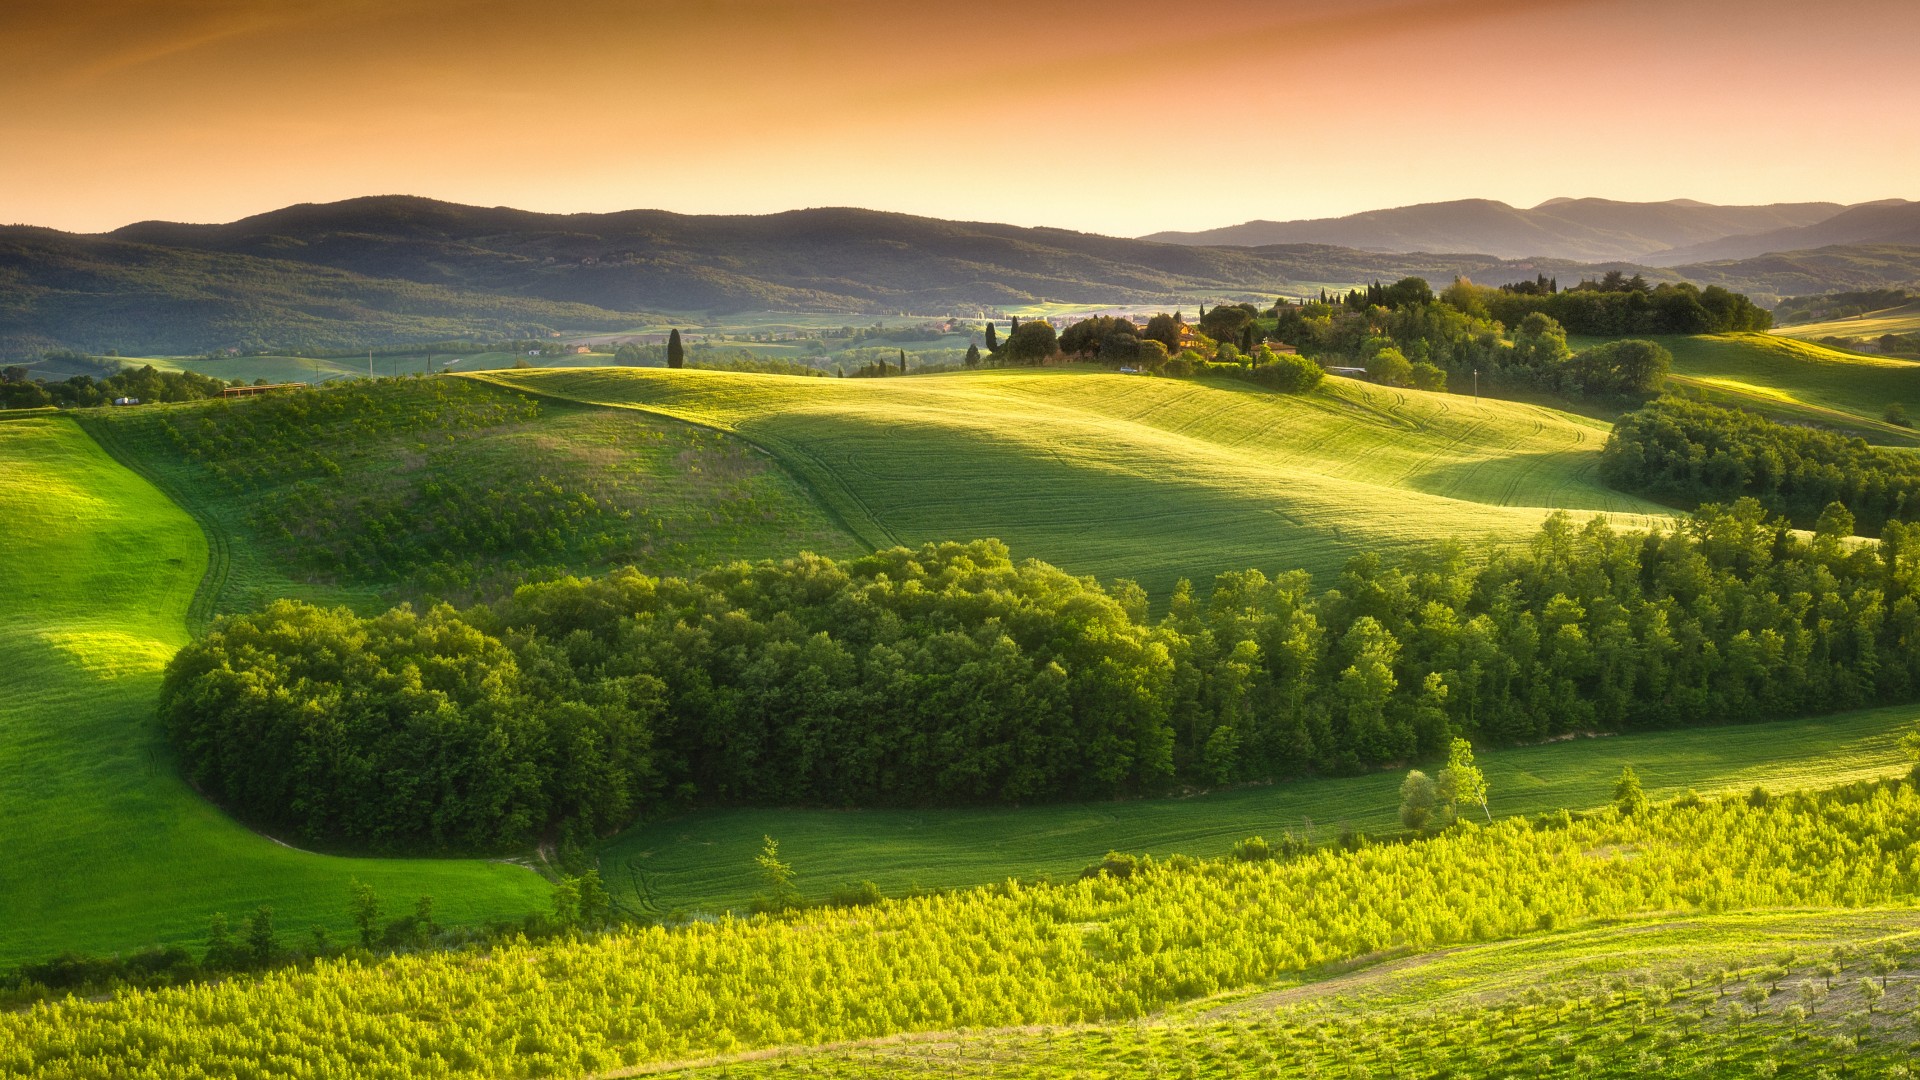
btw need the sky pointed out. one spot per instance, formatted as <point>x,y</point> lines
<point>1113,116</point>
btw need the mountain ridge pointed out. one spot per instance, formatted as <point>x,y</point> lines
<point>1584,229</point>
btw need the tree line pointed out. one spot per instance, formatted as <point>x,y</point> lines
<point>1689,452</point>
<point>18,390</point>
<point>952,674</point>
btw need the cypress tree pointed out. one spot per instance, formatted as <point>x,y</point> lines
<point>676,352</point>
<point>993,339</point>
<point>973,355</point>
<point>903,361</point>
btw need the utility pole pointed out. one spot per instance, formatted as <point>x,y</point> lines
<point>369,363</point>
<point>1476,384</point>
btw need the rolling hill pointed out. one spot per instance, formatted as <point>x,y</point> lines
<point>1131,477</point>
<point>107,848</point>
<point>1583,230</point>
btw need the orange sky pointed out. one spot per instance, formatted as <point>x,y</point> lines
<point>1119,116</point>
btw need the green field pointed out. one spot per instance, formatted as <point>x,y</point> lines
<point>106,847</point>
<point>1134,477</point>
<point>1645,997</point>
<point>704,861</point>
<point>1899,320</point>
<point>424,462</point>
<point>1797,381</point>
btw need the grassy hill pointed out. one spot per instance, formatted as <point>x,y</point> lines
<point>1898,320</point>
<point>1799,381</point>
<point>704,861</point>
<point>364,492</point>
<point>1133,477</point>
<point>106,847</point>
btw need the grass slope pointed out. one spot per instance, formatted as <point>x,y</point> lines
<point>1895,320</point>
<point>367,492</point>
<point>1150,479</point>
<point>1643,998</point>
<point>704,860</point>
<point>106,848</point>
<point>1797,381</point>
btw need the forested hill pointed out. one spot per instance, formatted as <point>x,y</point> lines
<point>1588,229</point>
<point>387,269</point>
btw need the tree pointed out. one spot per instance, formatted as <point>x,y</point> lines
<point>595,903</point>
<point>1618,368</point>
<point>261,943</point>
<point>1031,343</point>
<point>993,339</point>
<point>1390,366</point>
<point>363,907</point>
<point>423,916</point>
<point>566,901</point>
<point>1419,798</point>
<point>1164,329</point>
<point>676,352</point>
<point>1425,376</point>
<point>1627,794</point>
<point>777,876</point>
<point>903,361</point>
<point>1462,782</point>
<point>973,355</point>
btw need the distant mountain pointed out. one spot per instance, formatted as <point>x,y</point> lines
<point>398,269</point>
<point>1894,221</point>
<point>1587,230</point>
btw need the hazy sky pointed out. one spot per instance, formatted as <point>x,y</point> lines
<point>1116,116</point>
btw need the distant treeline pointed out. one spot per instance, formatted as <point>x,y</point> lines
<point>18,391</point>
<point>952,674</point>
<point>1841,305</point>
<point>1687,453</point>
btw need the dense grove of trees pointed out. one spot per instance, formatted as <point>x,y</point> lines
<point>951,673</point>
<point>1404,334</point>
<point>18,391</point>
<point>1619,307</point>
<point>1687,453</point>
<point>1128,941</point>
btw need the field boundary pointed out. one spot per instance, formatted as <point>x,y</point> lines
<point>213,581</point>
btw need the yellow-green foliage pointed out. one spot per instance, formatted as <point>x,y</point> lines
<point>1643,998</point>
<point>1130,476</point>
<point>1105,948</point>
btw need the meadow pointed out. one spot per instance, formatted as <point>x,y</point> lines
<point>1797,381</point>
<point>417,488</point>
<point>704,861</point>
<point>107,848</point>
<point>1898,320</point>
<point>1155,480</point>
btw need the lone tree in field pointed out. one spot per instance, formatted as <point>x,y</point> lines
<point>903,361</point>
<point>1627,794</point>
<point>364,906</point>
<point>1462,782</point>
<point>776,875</point>
<point>1419,797</point>
<point>973,356</point>
<point>676,352</point>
